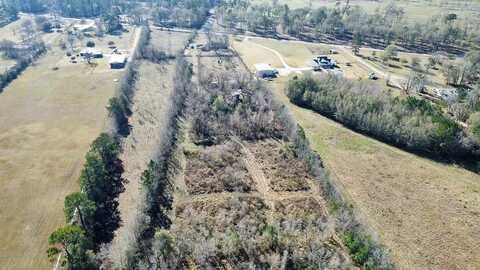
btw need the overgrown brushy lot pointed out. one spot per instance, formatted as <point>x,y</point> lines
<point>244,230</point>
<point>283,170</point>
<point>217,169</point>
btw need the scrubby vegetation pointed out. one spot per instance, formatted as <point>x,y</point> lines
<point>411,123</point>
<point>222,230</point>
<point>220,168</point>
<point>230,103</point>
<point>283,169</point>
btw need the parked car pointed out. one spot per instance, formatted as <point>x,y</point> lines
<point>372,76</point>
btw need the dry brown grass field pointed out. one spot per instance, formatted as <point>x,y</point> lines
<point>49,118</point>
<point>425,212</point>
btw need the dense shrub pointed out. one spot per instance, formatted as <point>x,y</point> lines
<point>231,104</point>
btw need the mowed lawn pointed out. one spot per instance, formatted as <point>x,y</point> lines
<point>425,212</point>
<point>48,120</point>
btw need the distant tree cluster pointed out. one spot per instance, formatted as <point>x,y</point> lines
<point>386,25</point>
<point>8,13</point>
<point>412,123</point>
<point>181,13</point>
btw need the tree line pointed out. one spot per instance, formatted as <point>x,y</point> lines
<point>181,13</point>
<point>23,55</point>
<point>93,213</point>
<point>385,26</point>
<point>69,8</point>
<point>412,123</point>
<point>156,186</point>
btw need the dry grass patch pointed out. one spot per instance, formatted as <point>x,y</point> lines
<point>282,169</point>
<point>300,207</point>
<point>217,169</point>
<point>169,42</point>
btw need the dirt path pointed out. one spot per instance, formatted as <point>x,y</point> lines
<point>287,69</point>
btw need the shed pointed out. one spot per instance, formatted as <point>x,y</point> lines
<point>95,53</point>
<point>265,71</point>
<point>117,61</point>
<point>86,27</point>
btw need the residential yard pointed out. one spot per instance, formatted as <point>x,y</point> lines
<point>426,212</point>
<point>300,54</point>
<point>49,116</point>
<point>434,76</point>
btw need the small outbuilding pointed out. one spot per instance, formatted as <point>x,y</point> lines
<point>265,71</point>
<point>95,53</point>
<point>117,61</point>
<point>86,27</point>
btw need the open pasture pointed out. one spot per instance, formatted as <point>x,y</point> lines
<point>49,116</point>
